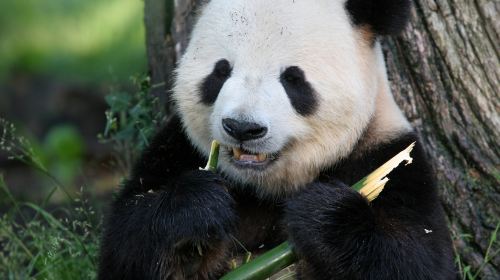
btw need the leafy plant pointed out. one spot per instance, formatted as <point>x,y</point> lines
<point>36,243</point>
<point>466,271</point>
<point>132,119</point>
<point>19,148</point>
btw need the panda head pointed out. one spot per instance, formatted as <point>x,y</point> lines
<point>287,87</point>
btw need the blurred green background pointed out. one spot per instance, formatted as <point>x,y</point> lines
<point>59,59</point>
<point>90,41</point>
<point>74,98</point>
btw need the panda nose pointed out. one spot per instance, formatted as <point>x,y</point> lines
<point>243,131</point>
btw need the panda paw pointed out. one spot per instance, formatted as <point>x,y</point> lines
<point>322,219</point>
<point>198,223</point>
<point>181,230</point>
<point>199,207</point>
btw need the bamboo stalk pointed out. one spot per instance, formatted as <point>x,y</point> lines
<point>265,265</point>
<point>213,158</point>
<point>283,256</point>
<point>374,178</point>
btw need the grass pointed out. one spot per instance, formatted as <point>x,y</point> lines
<point>37,243</point>
<point>41,244</point>
<point>466,271</point>
<point>87,41</point>
<point>43,241</point>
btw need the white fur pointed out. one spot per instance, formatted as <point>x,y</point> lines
<point>261,38</point>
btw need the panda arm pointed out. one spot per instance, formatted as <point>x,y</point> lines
<point>170,220</point>
<point>401,235</point>
<point>169,154</point>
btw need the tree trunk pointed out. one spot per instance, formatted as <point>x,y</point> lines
<point>444,72</point>
<point>159,45</point>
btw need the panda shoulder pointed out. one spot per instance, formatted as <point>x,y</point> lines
<point>367,157</point>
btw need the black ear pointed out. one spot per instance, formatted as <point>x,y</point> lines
<point>385,17</point>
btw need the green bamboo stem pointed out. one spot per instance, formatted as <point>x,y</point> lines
<point>272,261</point>
<point>359,185</point>
<point>265,265</point>
<point>283,256</point>
<point>213,158</point>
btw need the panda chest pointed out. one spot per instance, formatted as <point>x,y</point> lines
<point>260,224</point>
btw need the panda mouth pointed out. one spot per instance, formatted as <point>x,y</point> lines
<point>244,158</point>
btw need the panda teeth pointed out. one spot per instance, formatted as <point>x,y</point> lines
<point>240,155</point>
<point>237,153</point>
<point>248,158</point>
<point>261,157</point>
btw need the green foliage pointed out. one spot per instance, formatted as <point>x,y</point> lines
<point>58,156</point>
<point>64,142</point>
<point>132,119</point>
<point>36,243</point>
<point>18,147</point>
<point>75,40</point>
<point>83,40</point>
<point>466,271</point>
<point>62,151</point>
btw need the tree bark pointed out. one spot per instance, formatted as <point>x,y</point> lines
<point>168,24</point>
<point>444,71</point>
<point>159,45</point>
<point>183,21</point>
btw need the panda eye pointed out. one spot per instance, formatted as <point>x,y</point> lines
<point>213,83</point>
<point>293,75</point>
<point>222,69</point>
<point>299,91</point>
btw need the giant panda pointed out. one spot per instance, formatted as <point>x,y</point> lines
<point>297,94</point>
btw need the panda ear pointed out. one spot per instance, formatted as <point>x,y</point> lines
<point>385,17</point>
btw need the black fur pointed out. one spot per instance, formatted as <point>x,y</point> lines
<point>212,84</point>
<point>299,91</point>
<point>401,235</point>
<point>335,231</point>
<point>385,17</point>
<point>260,220</point>
<point>171,220</point>
<point>169,154</point>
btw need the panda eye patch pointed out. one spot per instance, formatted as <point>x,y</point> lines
<point>299,91</point>
<point>293,75</point>
<point>213,83</point>
<point>222,68</point>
